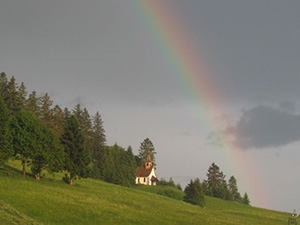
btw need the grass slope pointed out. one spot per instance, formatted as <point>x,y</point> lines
<point>51,201</point>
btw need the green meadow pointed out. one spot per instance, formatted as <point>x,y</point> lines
<point>51,201</point>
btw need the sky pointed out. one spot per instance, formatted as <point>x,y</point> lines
<point>106,56</point>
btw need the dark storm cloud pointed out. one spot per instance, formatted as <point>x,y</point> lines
<point>265,126</point>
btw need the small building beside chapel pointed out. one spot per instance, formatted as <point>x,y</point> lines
<point>146,174</point>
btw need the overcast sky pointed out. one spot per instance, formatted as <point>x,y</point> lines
<point>99,53</point>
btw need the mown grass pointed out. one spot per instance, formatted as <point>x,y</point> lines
<point>51,201</point>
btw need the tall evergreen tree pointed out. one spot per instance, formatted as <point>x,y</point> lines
<point>233,189</point>
<point>194,194</point>
<point>106,165</point>
<point>58,121</point>
<point>46,110</point>
<point>76,156</point>
<point>216,181</point>
<point>67,114</point>
<point>146,146</point>
<point>245,199</point>
<point>3,84</point>
<point>33,104</point>
<point>5,135</point>
<point>98,135</point>
<point>11,95</point>
<point>97,143</point>
<point>48,153</point>
<point>22,94</point>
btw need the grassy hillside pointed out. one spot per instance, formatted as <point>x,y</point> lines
<point>50,201</point>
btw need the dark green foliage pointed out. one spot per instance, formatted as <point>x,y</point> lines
<point>245,199</point>
<point>233,190</point>
<point>116,165</point>
<point>11,96</point>
<point>194,194</point>
<point>178,186</point>
<point>5,135</point>
<point>106,165</point>
<point>32,104</point>
<point>96,144</point>
<point>76,156</point>
<point>171,193</point>
<point>98,135</point>
<point>216,183</point>
<point>49,154</point>
<point>33,141</point>
<point>22,94</point>
<point>139,161</point>
<point>58,121</point>
<point>25,136</point>
<point>146,146</point>
<point>46,110</point>
<point>163,182</point>
<point>3,84</point>
<point>85,124</point>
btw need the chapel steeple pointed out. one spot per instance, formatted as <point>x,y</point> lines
<point>148,163</point>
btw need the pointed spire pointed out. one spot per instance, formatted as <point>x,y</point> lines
<point>148,163</point>
<point>148,156</point>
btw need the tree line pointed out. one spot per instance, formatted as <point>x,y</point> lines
<point>44,136</point>
<point>47,137</point>
<point>215,185</point>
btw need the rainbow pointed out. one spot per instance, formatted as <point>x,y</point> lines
<point>188,67</point>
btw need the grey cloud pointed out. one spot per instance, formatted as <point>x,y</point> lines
<point>288,106</point>
<point>265,126</point>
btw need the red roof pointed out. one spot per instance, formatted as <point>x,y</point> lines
<point>141,171</point>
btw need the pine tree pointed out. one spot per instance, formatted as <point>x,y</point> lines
<point>48,153</point>
<point>233,189</point>
<point>194,194</point>
<point>246,200</point>
<point>216,181</point>
<point>46,110</point>
<point>11,96</point>
<point>146,146</point>
<point>77,158</point>
<point>98,130</point>
<point>22,94</point>
<point>5,136</point>
<point>33,104</point>
<point>106,165</point>
<point>3,84</point>
<point>58,121</point>
<point>67,114</point>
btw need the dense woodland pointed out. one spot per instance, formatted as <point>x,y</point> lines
<point>44,136</point>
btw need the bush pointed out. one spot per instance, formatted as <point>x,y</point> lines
<point>171,193</point>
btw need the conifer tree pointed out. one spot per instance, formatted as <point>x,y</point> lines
<point>33,104</point>
<point>5,136</point>
<point>58,121</point>
<point>146,146</point>
<point>246,200</point>
<point>98,135</point>
<point>106,165</point>
<point>77,158</point>
<point>67,114</point>
<point>233,189</point>
<point>22,94</point>
<point>46,110</point>
<point>216,181</point>
<point>48,153</point>
<point>194,194</point>
<point>3,84</point>
<point>11,96</point>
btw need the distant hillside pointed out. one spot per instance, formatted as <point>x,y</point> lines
<point>51,201</point>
